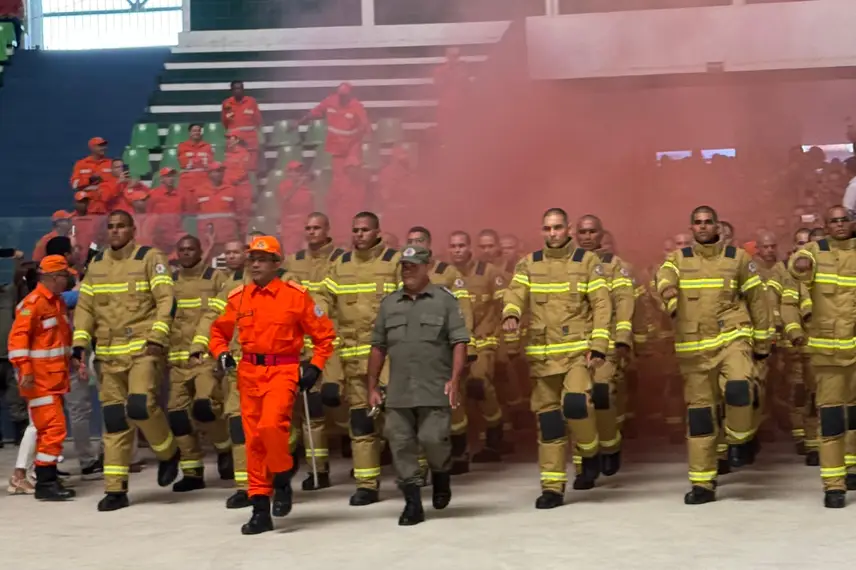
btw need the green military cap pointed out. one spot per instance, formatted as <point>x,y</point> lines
<point>416,254</point>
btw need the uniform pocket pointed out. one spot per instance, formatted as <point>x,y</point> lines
<point>430,327</point>
<point>396,328</point>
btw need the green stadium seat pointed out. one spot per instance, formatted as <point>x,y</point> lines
<point>176,134</point>
<point>286,154</point>
<point>137,161</point>
<point>214,133</point>
<point>316,134</point>
<point>323,160</point>
<point>371,156</point>
<point>4,57</point>
<point>273,180</point>
<point>389,131</point>
<point>145,135</point>
<point>7,34</point>
<point>219,151</point>
<point>285,133</point>
<point>170,158</point>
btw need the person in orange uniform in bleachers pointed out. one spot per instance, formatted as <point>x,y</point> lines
<point>296,202</point>
<point>164,208</point>
<point>39,349</point>
<point>237,174</point>
<point>241,116</point>
<point>347,124</point>
<point>194,156</point>
<point>61,227</point>
<point>270,317</point>
<point>119,192</point>
<point>91,171</point>
<point>86,228</point>
<point>217,209</point>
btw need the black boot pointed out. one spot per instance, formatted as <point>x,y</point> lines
<point>738,455</point>
<point>699,496</point>
<point>282,494</point>
<point>363,497</point>
<point>48,487</point>
<point>309,482</point>
<point>239,500</point>
<point>192,480</point>
<point>113,502</point>
<point>413,512</point>
<point>610,463</point>
<point>723,467</point>
<point>588,474</point>
<point>492,451</point>
<point>345,445</point>
<point>260,520</point>
<point>550,500</point>
<point>834,499</point>
<point>226,466</point>
<point>168,470</point>
<point>800,447</point>
<point>442,491</point>
<point>850,480</point>
<point>812,458</point>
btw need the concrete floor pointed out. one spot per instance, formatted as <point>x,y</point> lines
<point>768,516</point>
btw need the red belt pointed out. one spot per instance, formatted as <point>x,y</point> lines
<point>270,359</point>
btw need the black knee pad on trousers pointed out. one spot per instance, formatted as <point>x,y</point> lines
<point>361,423</point>
<point>475,389</point>
<point>799,395</point>
<point>459,444</point>
<point>137,406</point>
<point>203,411</point>
<point>738,393</point>
<point>575,406</point>
<point>832,421</point>
<point>851,418</point>
<point>179,422</point>
<point>600,396</point>
<point>330,395</point>
<point>552,425</point>
<point>114,418</point>
<point>236,431</point>
<point>700,421</point>
<point>756,396</point>
<point>316,406</point>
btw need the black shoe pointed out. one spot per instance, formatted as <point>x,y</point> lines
<point>309,483</point>
<point>441,494</point>
<point>812,458</point>
<point>834,499</point>
<point>385,456</point>
<point>260,520</point>
<point>240,500</point>
<point>549,500</point>
<point>363,497</point>
<point>413,512</point>
<point>168,470</point>
<point>113,502</point>
<point>94,470</point>
<point>800,447</point>
<point>589,473</point>
<point>699,496</point>
<point>583,483</point>
<point>494,446</point>
<point>723,467</point>
<point>487,455</point>
<point>850,480</point>
<point>48,487</point>
<point>738,455</point>
<point>345,445</point>
<point>610,463</point>
<point>189,483</point>
<point>226,466</point>
<point>282,494</point>
<point>460,467</point>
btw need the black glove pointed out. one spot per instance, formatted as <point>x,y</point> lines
<point>77,353</point>
<point>226,362</point>
<point>330,395</point>
<point>759,357</point>
<point>308,377</point>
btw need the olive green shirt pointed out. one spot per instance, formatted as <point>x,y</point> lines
<point>418,335</point>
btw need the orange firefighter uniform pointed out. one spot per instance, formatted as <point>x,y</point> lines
<point>243,119</point>
<point>86,168</point>
<point>39,249</point>
<point>164,208</point>
<point>219,207</point>
<point>346,124</point>
<point>194,158</point>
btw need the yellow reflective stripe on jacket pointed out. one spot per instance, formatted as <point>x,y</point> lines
<point>640,338</point>
<point>791,326</point>
<point>486,342</point>
<point>120,349</point>
<point>160,280</point>
<point>600,333</point>
<point>832,343</point>
<point>194,303</point>
<point>701,283</point>
<point>806,304</point>
<point>672,304</point>
<point>313,286</point>
<point>759,334</point>
<point>751,283</point>
<point>672,266</point>
<point>557,349</point>
<point>160,326</point>
<point>775,285</point>
<point>86,289</point>
<point>639,291</point>
<point>711,343</point>
<point>512,309</point>
<point>620,282</point>
<point>178,355</point>
<point>835,279</point>
<point>142,286</point>
<point>623,326</point>
<point>521,278</point>
<point>217,304</point>
<point>199,339</point>
<point>110,288</point>
<point>82,335</point>
<point>550,287</point>
<point>790,294</point>
<point>591,286</point>
<point>353,352</point>
<point>356,288</point>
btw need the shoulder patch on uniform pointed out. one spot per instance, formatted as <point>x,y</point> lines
<point>730,251</point>
<point>319,312</point>
<point>606,258</point>
<point>209,273</point>
<point>598,269</point>
<point>300,254</point>
<point>624,272</point>
<point>578,255</point>
<point>480,267</point>
<point>441,267</point>
<point>297,286</point>
<point>236,291</point>
<point>538,255</point>
<point>336,253</point>
<point>752,267</point>
<point>142,252</point>
<point>823,245</point>
<point>346,257</point>
<point>389,254</point>
<point>459,283</point>
<point>500,282</point>
<point>239,275</point>
<point>687,251</point>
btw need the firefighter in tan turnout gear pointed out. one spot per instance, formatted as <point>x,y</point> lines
<point>125,306</point>
<point>564,291</point>
<point>311,266</point>
<point>351,294</point>
<point>195,394</point>
<point>828,267</point>
<point>722,320</point>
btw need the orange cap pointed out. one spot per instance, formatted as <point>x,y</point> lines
<point>167,170</point>
<point>266,244</point>
<point>215,166</point>
<point>97,141</point>
<point>344,88</point>
<point>53,264</point>
<point>136,195</point>
<point>294,165</point>
<point>60,215</point>
<point>80,196</point>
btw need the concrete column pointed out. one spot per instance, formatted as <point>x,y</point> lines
<point>185,15</point>
<point>367,15</point>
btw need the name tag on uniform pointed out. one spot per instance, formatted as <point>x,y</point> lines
<point>49,323</point>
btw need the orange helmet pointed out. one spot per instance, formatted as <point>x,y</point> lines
<point>266,244</point>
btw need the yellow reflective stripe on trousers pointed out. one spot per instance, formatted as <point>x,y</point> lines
<point>832,472</point>
<point>850,460</point>
<point>241,477</point>
<point>120,349</point>
<point>354,352</point>
<point>190,464</point>
<point>162,446</point>
<point>623,326</point>
<point>588,446</point>
<point>556,476</point>
<point>369,473</point>
<point>832,343</point>
<point>711,343</point>
<point>556,349</point>
<point>835,279</point>
<point>702,476</point>
<point>322,453</point>
<point>116,470</point>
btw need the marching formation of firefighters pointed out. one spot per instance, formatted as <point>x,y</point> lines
<point>276,346</point>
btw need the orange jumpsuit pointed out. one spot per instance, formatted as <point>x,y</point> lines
<point>271,322</point>
<point>118,195</point>
<point>87,167</point>
<point>237,174</point>
<point>296,203</point>
<point>218,206</point>
<point>40,346</point>
<point>194,158</point>
<point>163,216</point>
<point>346,125</point>
<point>243,118</point>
